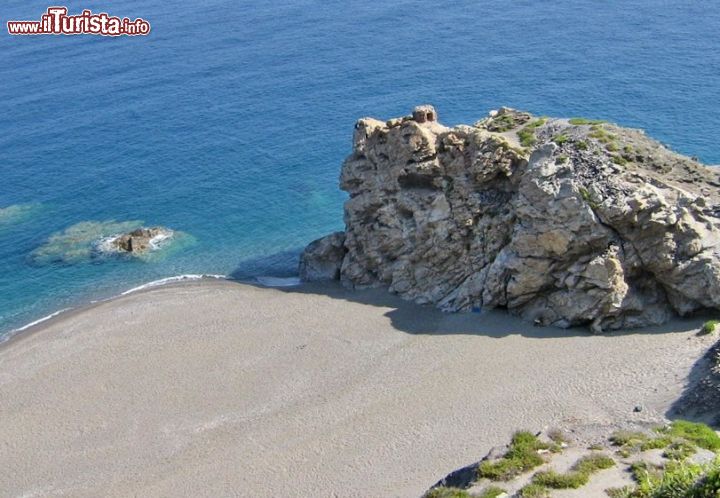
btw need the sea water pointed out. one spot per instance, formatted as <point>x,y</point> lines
<point>230,121</point>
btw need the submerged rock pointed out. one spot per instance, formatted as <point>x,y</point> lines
<point>17,213</point>
<point>563,222</point>
<point>93,240</point>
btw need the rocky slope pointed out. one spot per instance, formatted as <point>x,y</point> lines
<point>564,222</point>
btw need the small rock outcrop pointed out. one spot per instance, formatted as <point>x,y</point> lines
<point>322,260</point>
<point>140,240</point>
<point>564,222</point>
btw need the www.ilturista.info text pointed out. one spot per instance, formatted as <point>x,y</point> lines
<point>56,21</point>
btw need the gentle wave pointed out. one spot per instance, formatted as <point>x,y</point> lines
<point>149,285</point>
<point>170,280</point>
<point>12,333</point>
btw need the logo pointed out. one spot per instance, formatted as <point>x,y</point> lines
<point>56,21</point>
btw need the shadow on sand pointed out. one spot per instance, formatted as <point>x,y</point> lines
<point>700,400</point>
<point>412,318</point>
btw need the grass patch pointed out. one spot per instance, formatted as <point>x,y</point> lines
<point>527,134</point>
<point>657,443</point>
<point>696,433</point>
<point>504,123</point>
<point>527,138</point>
<point>585,121</point>
<point>581,145</point>
<point>443,492</point>
<point>627,438</point>
<point>679,450</point>
<point>593,463</point>
<point>521,457</point>
<point>533,490</point>
<point>561,159</point>
<point>587,197</point>
<point>624,492</point>
<point>560,139</point>
<point>602,135</point>
<point>709,327</point>
<point>579,474</point>
<point>551,479</point>
<point>676,480</point>
<point>619,160</point>
<point>491,492</point>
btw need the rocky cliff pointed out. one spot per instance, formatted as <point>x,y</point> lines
<point>562,221</point>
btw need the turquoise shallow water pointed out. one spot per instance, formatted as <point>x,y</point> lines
<point>230,121</point>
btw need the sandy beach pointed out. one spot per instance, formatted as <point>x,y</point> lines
<point>225,389</point>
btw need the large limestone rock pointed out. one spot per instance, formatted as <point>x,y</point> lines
<point>564,222</point>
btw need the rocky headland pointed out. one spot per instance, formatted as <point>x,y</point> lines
<point>565,222</point>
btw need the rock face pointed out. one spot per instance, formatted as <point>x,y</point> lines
<point>322,260</point>
<point>140,240</point>
<point>564,222</point>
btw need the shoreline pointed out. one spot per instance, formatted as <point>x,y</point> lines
<point>216,384</point>
<point>30,327</point>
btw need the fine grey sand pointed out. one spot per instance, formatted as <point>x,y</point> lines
<point>223,389</point>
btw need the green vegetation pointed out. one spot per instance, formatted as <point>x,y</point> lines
<point>676,480</point>
<point>527,134</point>
<point>587,197</point>
<point>680,439</point>
<point>623,492</point>
<point>619,160</point>
<point>581,145</point>
<point>628,438</point>
<point>579,474</point>
<point>504,123</point>
<point>709,327</point>
<point>561,159</point>
<point>443,492</point>
<point>699,434</point>
<point>521,457</point>
<point>551,479</point>
<point>680,478</point>
<point>491,492</point>
<point>593,463</point>
<point>533,490</point>
<point>679,450</point>
<point>584,121</point>
<point>560,139</point>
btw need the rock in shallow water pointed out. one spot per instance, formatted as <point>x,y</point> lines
<point>564,222</point>
<point>141,239</point>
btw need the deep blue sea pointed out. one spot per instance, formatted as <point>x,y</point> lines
<point>229,122</point>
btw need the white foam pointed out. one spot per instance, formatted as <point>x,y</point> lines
<point>278,281</point>
<point>169,280</point>
<point>155,283</point>
<point>5,337</point>
<point>157,241</point>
